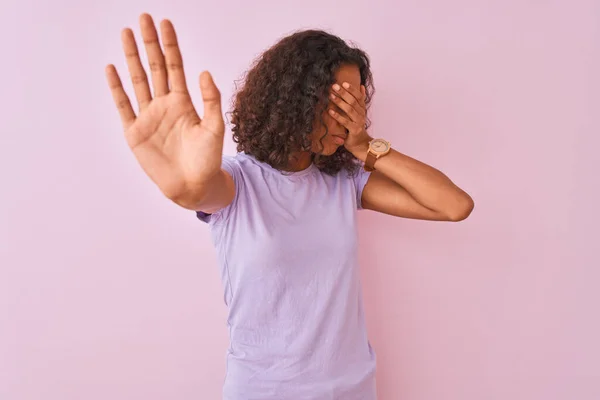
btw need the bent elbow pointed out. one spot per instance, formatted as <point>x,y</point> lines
<point>463,211</point>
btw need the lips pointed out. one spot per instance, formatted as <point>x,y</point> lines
<point>339,139</point>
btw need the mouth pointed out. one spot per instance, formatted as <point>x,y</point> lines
<point>339,139</point>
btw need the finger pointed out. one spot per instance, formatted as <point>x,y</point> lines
<point>355,91</point>
<point>120,97</point>
<point>173,58</point>
<point>349,94</point>
<point>211,97</point>
<point>346,108</point>
<point>136,70</point>
<point>349,124</point>
<point>156,59</point>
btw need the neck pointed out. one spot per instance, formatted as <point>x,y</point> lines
<point>299,161</point>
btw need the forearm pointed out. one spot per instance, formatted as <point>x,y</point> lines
<point>427,185</point>
<point>209,196</point>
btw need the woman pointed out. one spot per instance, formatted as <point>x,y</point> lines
<point>282,212</point>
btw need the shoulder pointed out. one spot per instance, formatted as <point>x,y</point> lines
<point>358,178</point>
<point>240,162</point>
<point>358,175</point>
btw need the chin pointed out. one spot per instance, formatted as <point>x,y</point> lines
<point>329,151</point>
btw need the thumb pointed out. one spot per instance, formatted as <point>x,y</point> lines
<point>211,97</point>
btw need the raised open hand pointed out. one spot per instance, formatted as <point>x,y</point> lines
<point>176,148</point>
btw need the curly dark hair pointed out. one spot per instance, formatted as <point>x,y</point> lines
<point>284,91</point>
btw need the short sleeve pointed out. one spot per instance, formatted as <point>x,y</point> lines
<point>360,178</point>
<point>231,165</point>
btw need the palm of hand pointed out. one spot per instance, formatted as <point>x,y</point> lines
<point>175,147</point>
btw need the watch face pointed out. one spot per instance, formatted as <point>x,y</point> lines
<point>379,145</point>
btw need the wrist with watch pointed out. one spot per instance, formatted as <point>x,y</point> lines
<point>377,149</point>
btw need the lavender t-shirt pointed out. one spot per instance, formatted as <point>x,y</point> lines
<point>287,252</point>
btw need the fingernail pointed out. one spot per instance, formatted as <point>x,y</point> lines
<point>336,87</point>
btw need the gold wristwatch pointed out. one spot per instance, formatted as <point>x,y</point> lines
<point>377,149</point>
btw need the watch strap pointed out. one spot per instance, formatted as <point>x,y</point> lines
<point>370,161</point>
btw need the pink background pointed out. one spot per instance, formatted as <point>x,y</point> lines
<point>109,291</point>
